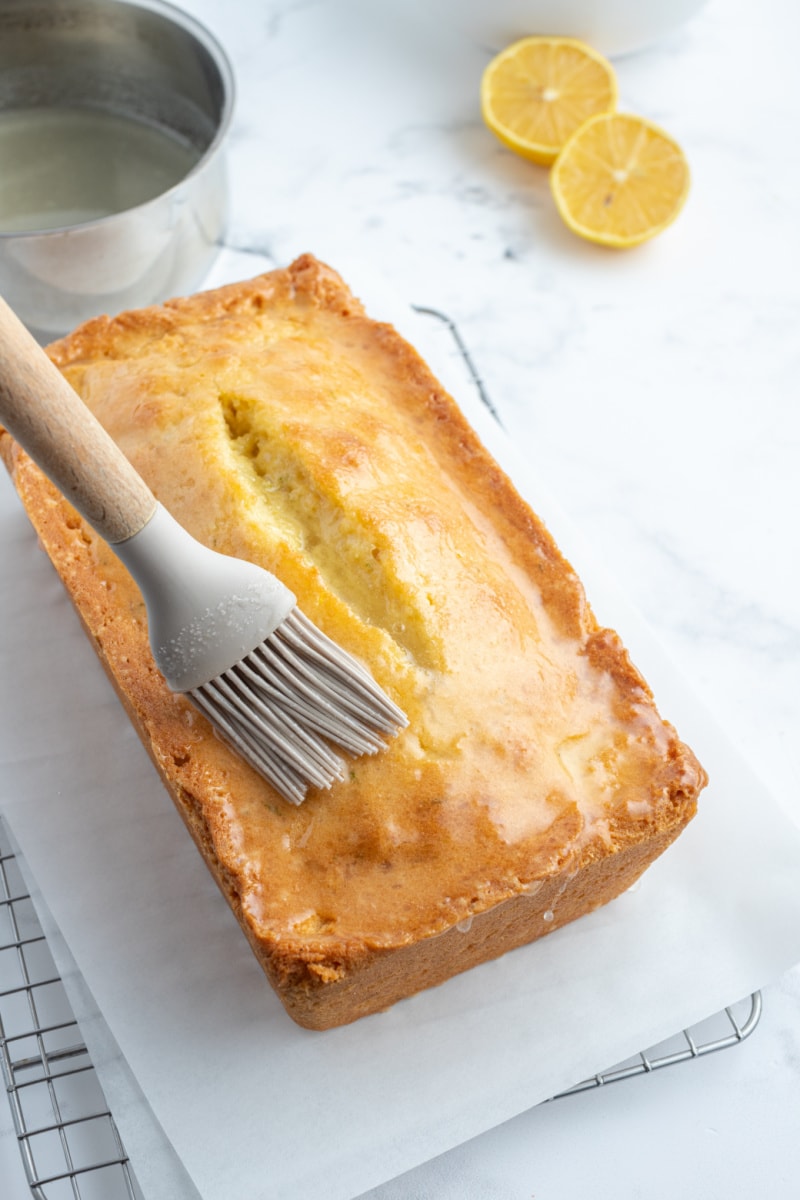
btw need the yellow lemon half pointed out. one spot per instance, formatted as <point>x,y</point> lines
<point>619,180</point>
<point>537,92</point>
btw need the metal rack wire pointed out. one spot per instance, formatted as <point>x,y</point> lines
<point>70,1146</point>
<point>720,1032</point>
<point>69,1142</point>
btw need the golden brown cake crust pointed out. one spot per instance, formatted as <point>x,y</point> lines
<point>536,781</point>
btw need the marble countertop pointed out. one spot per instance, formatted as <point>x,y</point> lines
<point>654,389</point>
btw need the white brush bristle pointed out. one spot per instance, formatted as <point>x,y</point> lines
<point>287,703</point>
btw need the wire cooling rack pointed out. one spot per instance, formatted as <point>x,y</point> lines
<point>71,1148</point>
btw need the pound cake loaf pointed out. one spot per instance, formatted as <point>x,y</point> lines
<point>536,780</point>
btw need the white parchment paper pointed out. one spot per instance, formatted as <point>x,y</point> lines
<point>255,1106</point>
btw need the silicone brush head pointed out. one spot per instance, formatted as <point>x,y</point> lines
<point>284,706</point>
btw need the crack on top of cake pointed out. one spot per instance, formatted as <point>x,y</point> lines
<point>351,552</point>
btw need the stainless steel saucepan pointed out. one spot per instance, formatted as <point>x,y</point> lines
<point>145,62</point>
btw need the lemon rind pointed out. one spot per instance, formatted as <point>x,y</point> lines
<point>540,152</point>
<point>617,241</point>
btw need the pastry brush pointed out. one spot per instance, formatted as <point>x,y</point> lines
<point>223,631</point>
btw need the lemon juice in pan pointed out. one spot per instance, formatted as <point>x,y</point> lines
<point>66,166</point>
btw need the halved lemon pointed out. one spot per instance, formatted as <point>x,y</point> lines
<point>538,91</point>
<point>620,180</point>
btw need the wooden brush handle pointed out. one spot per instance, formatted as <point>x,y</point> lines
<point>53,425</point>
